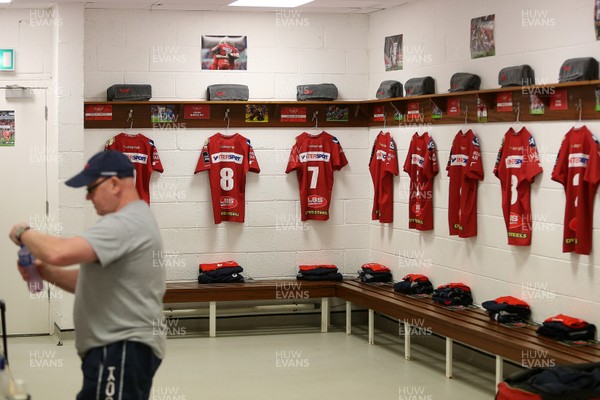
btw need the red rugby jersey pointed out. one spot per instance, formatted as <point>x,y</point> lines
<point>143,155</point>
<point>422,166</point>
<point>314,158</point>
<point>577,168</point>
<point>383,165</point>
<point>517,165</point>
<point>464,169</point>
<point>228,159</point>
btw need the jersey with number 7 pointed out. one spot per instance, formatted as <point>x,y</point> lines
<point>228,159</point>
<point>314,158</point>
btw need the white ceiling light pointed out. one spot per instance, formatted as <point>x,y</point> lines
<point>269,3</point>
<point>5,1</point>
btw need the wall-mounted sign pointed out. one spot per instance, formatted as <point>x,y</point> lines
<point>7,59</point>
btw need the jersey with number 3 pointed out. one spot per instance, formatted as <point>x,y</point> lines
<point>517,165</point>
<point>577,168</point>
<point>314,158</point>
<point>228,159</point>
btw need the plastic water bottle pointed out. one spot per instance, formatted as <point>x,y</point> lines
<point>6,388</point>
<point>34,282</point>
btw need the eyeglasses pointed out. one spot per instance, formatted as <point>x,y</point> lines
<point>90,189</point>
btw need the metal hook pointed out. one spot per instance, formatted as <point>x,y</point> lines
<point>518,110</point>
<point>579,107</point>
<point>466,114</point>
<point>384,119</point>
<point>316,119</point>
<point>130,119</point>
<point>227,118</point>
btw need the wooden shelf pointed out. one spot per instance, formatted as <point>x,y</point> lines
<point>360,113</point>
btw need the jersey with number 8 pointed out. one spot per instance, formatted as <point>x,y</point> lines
<point>314,158</point>
<point>577,168</point>
<point>228,159</point>
<point>517,166</point>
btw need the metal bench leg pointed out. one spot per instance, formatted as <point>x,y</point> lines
<point>324,314</point>
<point>212,319</point>
<point>407,355</point>
<point>348,318</point>
<point>499,370</point>
<point>448,358</point>
<point>371,327</point>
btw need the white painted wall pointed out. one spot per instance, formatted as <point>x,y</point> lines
<point>120,48</point>
<point>539,33</point>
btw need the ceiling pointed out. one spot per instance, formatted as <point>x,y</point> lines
<point>317,6</point>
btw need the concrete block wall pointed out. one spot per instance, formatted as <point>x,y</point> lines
<point>436,35</point>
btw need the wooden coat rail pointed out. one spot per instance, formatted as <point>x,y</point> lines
<point>581,101</point>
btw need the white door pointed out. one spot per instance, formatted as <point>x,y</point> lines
<point>23,192</point>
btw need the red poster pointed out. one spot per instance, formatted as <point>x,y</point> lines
<point>504,102</point>
<point>413,111</point>
<point>191,111</point>
<point>453,106</point>
<point>98,112</point>
<point>293,114</point>
<point>378,114</point>
<point>558,100</point>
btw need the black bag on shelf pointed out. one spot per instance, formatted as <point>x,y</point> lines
<point>323,91</point>
<point>519,75</point>
<point>419,86</point>
<point>389,90</point>
<point>463,81</point>
<point>128,92</point>
<point>227,92</point>
<point>578,69</point>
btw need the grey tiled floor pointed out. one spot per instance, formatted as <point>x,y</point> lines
<point>268,366</point>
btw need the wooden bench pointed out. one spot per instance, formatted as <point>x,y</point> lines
<point>193,292</point>
<point>470,327</point>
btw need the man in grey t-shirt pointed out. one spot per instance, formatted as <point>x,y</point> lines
<point>118,288</point>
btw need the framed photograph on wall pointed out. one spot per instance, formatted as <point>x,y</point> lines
<point>392,53</point>
<point>482,37</point>
<point>597,18</point>
<point>224,52</point>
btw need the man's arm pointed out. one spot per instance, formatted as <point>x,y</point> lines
<point>64,278</point>
<point>55,250</point>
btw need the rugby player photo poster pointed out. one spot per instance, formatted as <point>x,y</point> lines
<point>224,52</point>
<point>597,18</point>
<point>392,53</point>
<point>7,125</point>
<point>482,37</point>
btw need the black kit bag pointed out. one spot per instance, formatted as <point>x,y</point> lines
<point>463,81</point>
<point>127,92</point>
<point>519,75</point>
<point>573,382</point>
<point>419,86</point>
<point>227,92</point>
<point>579,69</point>
<point>389,90</point>
<point>323,91</point>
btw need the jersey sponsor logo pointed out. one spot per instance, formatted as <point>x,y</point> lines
<point>460,160</point>
<point>475,141</point>
<point>514,161</point>
<point>334,139</point>
<point>316,201</point>
<point>514,220</point>
<point>206,156</point>
<point>132,147</point>
<point>381,155</point>
<point>531,141</point>
<point>137,158</point>
<point>314,156</point>
<point>416,159</point>
<point>517,235</point>
<point>577,160</point>
<point>227,157</point>
<point>431,145</point>
<point>228,202</point>
<point>392,145</point>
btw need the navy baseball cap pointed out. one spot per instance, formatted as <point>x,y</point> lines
<point>106,163</point>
